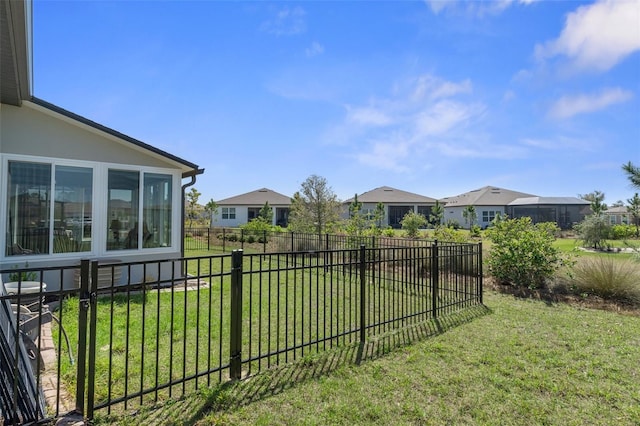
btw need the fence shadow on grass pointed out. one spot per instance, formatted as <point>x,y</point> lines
<point>230,395</point>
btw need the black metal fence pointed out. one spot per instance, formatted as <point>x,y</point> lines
<point>229,239</point>
<point>195,322</point>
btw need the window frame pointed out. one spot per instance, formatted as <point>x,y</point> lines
<point>99,197</point>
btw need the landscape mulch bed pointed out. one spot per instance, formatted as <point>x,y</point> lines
<point>550,296</point>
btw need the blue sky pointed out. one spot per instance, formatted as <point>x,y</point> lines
<point>436,98</point>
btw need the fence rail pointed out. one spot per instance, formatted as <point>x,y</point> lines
<point>199,321</point>
<point>228,239</point>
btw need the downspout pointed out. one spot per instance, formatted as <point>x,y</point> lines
<point>192,174</point>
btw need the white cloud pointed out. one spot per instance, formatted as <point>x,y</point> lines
<point>424,118</point>
<point>475,7</point>
<point>597,36</point>
<point>315,49</point>
<point>368,116</point>
<point>428,86</point>
<point>444,117</point>
<point>386,156</point>
<point>568,106</point>
<point>286,21</point>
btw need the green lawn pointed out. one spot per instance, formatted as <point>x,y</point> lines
<point>512,362</point>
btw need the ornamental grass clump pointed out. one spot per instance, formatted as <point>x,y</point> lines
<point>608,278</point>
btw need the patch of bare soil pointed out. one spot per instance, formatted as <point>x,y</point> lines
<point>551,296</point>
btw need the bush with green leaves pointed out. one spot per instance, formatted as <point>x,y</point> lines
<point>412,222</point>
<point>447,234</point>
<point>622,232</point>
<point>256,228</point>
<point>523,253</point>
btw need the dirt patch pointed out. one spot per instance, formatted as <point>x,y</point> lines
<point>551,296</point>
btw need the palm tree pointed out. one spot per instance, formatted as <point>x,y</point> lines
<point>633,173</point>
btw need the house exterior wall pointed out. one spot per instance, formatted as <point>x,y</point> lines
<point>30,135</point>
<point>31,130</point>
<point>484,215</point>
<point>280,215</point>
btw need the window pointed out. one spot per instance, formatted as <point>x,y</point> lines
<point>253,212</point>
<point>156,211</point>
<point>489,216</point>
<point>48,208</point>
<point>228,212</point>
<point>125,215</point>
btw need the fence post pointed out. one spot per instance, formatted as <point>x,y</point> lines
<point>82,335</point>
<point>479,272</point>
<point>93,317</point>
<point>235,365</point>
<point>264,240</point>
<point>208,239</point>
<point>363,299</point>
<point>435,273</point>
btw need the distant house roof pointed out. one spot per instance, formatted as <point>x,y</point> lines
<point>486,196</point>
<point>386,194</point>
<point>528,201</point>
<point>617,210</point>
<point>257,198</point>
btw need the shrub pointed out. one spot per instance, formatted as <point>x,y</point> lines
<point>445,233</point>
<point>411,222</point>
<point>608,278</point>
<point>523,253</point>
<point>475,231</point>
<point>621,232</point>
<point>452,223</point>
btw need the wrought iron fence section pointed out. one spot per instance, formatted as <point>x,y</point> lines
<point>137,333</point>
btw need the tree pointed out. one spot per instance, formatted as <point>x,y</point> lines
<point>379,215</point>
<point>315,207</point>
<point>634,209</point>
<point>266,213</point>
<point>596,199</point>
<point>633,173</point>
<point>594,230</point>
<point>469,215</point>
<point>412,222</point>
<point>192,204</point>
<point>211,208</point>
<point>356,222</point>
<point>437,213</point>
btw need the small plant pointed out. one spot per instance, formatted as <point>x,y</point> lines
<point>608,278</point>
<point>23,275</point>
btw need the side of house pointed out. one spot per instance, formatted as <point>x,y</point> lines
<point>71,188</point>
<point>397,204</point>
<point>564,211</point>
<point>240,209</point>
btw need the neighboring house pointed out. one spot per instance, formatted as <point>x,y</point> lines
<point>619,215</point>
<point>564,211</point>
<point>397,204</point>
<point>489,202</point>
<point>240,209</point>
<point>71,188</point>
